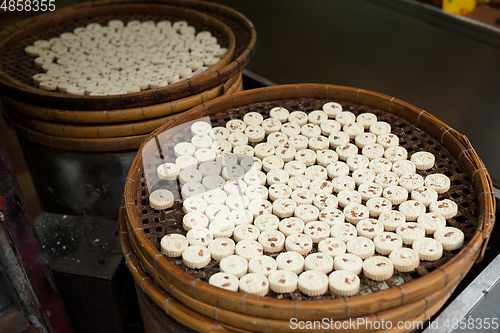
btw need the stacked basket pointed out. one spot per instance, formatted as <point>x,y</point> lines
<point>115,123</point>
<point>413,296</point>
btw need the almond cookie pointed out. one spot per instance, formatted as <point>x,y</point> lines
<point>392,219</point>
<point>451,238</point>
<point>346,150</point>
<point>325,201</point>
<point>173,245</point>
<point>253,133</point>
<point>373,151</point>
<point>255,284</point>
<point>264,149</point>
<point>423,160</point>
<point>363,139</point>
<point>366,119</point>
<point>319,262</point>
<point>363,175</point>
<point>361,246</point>
<point>236,201</point>
<point>290,129</point>
<point>331,216</point>
<point>217,211</point>
<point>370,190</point>
<point>279,191</point>
<point>299,181</point>
<point>325,157</point>
<point>278,138</point>
<point>221,247</point>
<point>341,183</point>
<point>161,199</point>
<point>290,261</point>
<point>267,222</point>
<point>431,222</point>
<point>348,262</point>
<point>337,169</point>
<point>306,213</point>
<point>345,117</point>
<point>303,196</point>
<point>316,172</point>
<point>378,268</point>
<point>199,236</point>
<point>279,113</point>
<point>386,179</point>
<point>347,197</point>
<point>412,209</point>
<point>395,194</point>
<point>299,243</point>
<point>438,182</point>
<point>343,231</point>
<point>168,171</point>
<point>329,127</point>
<point>184,149</point>
<point>387,242</point>
<point>236,125</point>
<point>425,195</point>
<point>194,220</point>
<point>249,163</point>
<point>277,176</point>
<point>209,182</point>
<point>447,208</point>
<point>403,167</point>
<point>196,256</point>
<point>235,187</point>
<point>317,231</point>
<point>380,165</point>
<point>310,130</point>
<point>343,283</point>
<point>284,208</point>
<point>332,109</point>
<point>313,283</point>
<point>253,119</point>
<point>240,216</point>
<point>411,181</point>
<point>224,280</point>
<point>272,240</point>
<point>264,265</point>
<point>332,246</point>
<point>355,213</point>
<point>377,206</point>
<point>271,125</point>
<point>219,133</point>
<point>254,177</point>
<point>235,265</point>
<point>369,228</point>
<point>338,139</point>
<point>257,192</point>
<point>283,281</point>
<point>190,175</point>
<point>246,231</point>
<point>380,127</point>
<point>221,228</point>
<point>298,142</point>
<point>248,249</point>
<point>404,259</point>
<point>396,153</point>
<point>428,249</point>
<point>194,204</point>
<point>272,162</point>
<point>306,156</point>
<point>286,152</point>
<point>388,140</point>
<point>318,142</point>
<point>291,225</point>
<point>410,232</point>
<point>353,129</point>
<point>298,117</point>
<point>317,117</point>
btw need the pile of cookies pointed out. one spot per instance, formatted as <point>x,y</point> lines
<point>123,58</point>
<point>325,178</point>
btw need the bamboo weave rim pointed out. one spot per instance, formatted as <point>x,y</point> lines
<point>114,130</point>
<point>111,144</point>
<point>456,143</point>
<point>211,318</point>
<point>119,115</point>
<point>214,76</point>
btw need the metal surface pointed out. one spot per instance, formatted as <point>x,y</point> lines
<point>86,259</point>
<point>22,262</point>
<point>415,55</point>
<point>68,182</point>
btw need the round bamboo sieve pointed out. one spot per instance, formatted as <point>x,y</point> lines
<point>418,311</point>
<point>477,221</point>
<point>22,115</point>
<point>17,68</point>
<point>112,143</point>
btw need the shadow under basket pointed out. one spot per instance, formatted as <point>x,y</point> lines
<point>185,293</point>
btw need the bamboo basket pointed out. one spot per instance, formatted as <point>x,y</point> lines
<point>167,300</point>
<point>417,129</point>
<point>17,68</point>
<point>111,138</point>
<point>21,113</point>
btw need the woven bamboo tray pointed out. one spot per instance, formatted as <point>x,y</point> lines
<point>89,130</point>
<point>17,68</point>
<point>113,143</point>
<point>115,116</point>
<point>472,190</point>
<point>207,318</point>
